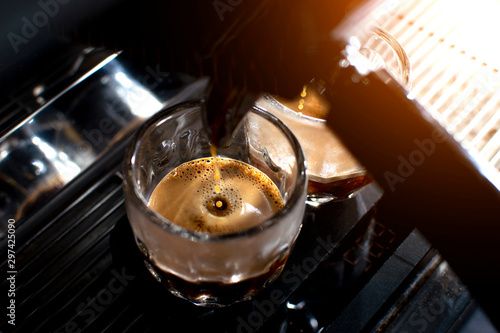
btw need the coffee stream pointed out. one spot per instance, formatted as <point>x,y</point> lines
<point>216,195</point>
<point>213,152</point>
<point>220,204</point>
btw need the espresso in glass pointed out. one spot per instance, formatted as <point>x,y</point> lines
<point>216,196</point>
<point>333,172</point>
<point>214,230</point>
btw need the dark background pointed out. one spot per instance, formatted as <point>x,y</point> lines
<point>254,42</point>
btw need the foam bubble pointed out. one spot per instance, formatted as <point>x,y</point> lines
<point>247,196</point>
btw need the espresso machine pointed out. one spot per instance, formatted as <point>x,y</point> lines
<point>413,252</point>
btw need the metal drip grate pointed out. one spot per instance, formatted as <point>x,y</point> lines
<point>455,67</point>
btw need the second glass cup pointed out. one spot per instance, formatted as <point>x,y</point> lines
<point>334,173</point>
<point>214,233</point>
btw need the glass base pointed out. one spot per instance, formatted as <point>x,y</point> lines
<point>214,293</point>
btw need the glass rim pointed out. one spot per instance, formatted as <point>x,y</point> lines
<point>272,98</point>
<point>402,56</point>
<point>138,200</point>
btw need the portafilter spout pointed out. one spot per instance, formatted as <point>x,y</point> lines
<point>223,109</point>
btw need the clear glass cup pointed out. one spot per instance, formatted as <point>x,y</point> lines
<point>334,173</point>
<point>204,268</point>
<point>384,51</point>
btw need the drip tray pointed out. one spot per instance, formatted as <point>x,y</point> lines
<point>81,270</point>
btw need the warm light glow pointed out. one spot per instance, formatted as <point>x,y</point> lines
<point>474,26</point>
